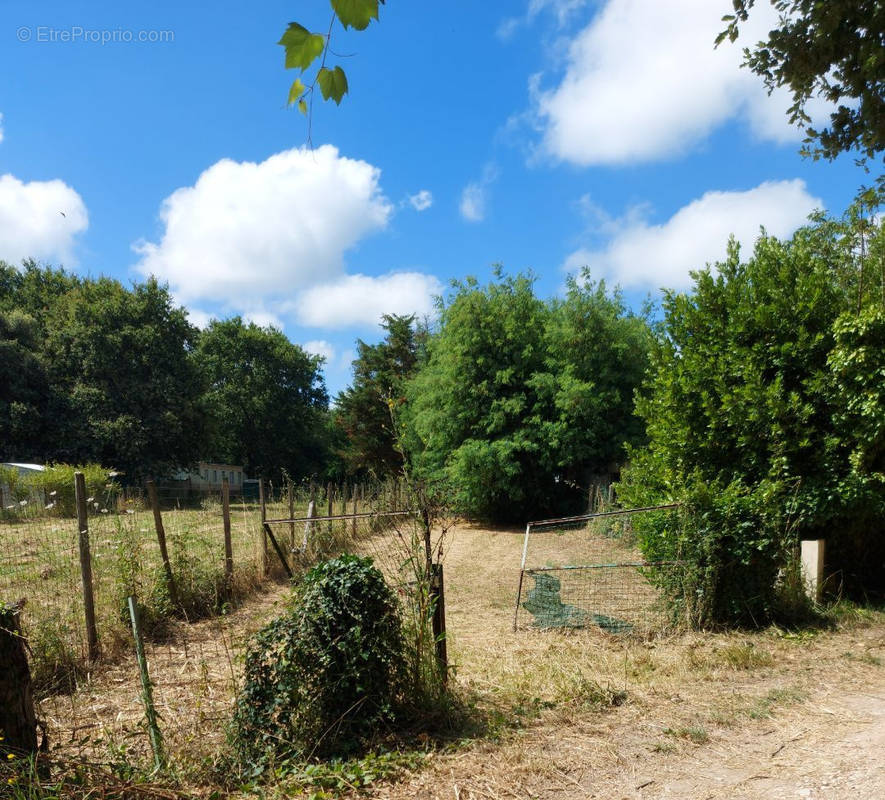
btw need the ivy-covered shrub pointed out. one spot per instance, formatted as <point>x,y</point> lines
<point>323,678</point>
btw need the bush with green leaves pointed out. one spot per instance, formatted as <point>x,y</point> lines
<point>57,483</point>
<point>324,677</point>
<point>764,410</point>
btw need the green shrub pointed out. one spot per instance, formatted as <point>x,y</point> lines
<point>323,677</point>
<point>764,409</point>
<point>736,547</point>
<point>57,485</point>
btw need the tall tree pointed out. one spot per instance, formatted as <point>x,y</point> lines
<point>121,359</point>
<point>266,398</point>
<point>597,353</point>
<point>831,49</point>
<point>24,390</point>
<point>521,399</point>
<point>364,411</point>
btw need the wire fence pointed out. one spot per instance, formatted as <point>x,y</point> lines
<point>588,571</point>
<point>41,561</point>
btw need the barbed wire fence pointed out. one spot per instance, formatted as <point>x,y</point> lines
<point>587,570</point>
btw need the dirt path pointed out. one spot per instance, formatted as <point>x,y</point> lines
<point>572,714</point>
<point>829,747</point>
<point>834,748</point>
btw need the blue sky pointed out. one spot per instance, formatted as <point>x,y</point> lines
<point>541,134</point>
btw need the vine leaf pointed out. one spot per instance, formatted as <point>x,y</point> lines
<point>296,92</point>
<point>302,46</point>
<point>333,83</point>
<point>356,13</point>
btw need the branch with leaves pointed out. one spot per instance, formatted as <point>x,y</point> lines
<point>304,48</point>
<point>831,50</point>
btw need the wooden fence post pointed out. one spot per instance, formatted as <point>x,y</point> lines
<point>290,492</point>
<point>161,540</point>
<point>353,521</point>
<point>308,525</point>
<point>265,561</point>
<point>86,566</point>
<point>330,493</point>
<point>228,546</point>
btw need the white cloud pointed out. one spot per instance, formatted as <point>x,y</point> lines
<point>249,235</point>
<point>198,317</point>
<point>320,347</point>
<point>562,10</point>
<point>474,197</point>
<point>422,200</point>
<point>639,254</point>
<point>644,82</point>
<point>39,219</point>
<point>473,202</point>
<point>362,299</point>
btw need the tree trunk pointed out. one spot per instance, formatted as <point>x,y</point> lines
<point>18,724</point>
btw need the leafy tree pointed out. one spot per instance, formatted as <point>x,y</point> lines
<point>266,399</point>
<point>832,49</point>
<point>363,410</point>
<point>24,390</point>
<point>762,414</point>
<point>121,360</point>
<point>519,398</point>
<point>470,402</point>
<point>597,355</point>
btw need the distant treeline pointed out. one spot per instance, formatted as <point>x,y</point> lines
<point>93,371</point>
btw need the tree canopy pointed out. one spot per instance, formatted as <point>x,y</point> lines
<point>131,393</point>
<point>266,399</point>
<point>364,411</point>
<point>522,402</point>
<point>97,372</point>
<point>830,49</point>
<point>93,371</point>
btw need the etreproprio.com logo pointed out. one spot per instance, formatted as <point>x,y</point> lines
<point>76,34</point>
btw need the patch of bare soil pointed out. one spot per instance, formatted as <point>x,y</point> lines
<point>571,714</point>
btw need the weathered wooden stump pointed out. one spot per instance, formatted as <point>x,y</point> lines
<point>18,723</point>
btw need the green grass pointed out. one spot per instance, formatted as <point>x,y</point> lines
<point>40,563</point>
<point>692,733</point>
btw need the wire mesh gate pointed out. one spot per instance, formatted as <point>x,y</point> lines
<point>587,571</point>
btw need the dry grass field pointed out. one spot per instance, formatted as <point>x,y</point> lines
<point>577,713</point>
